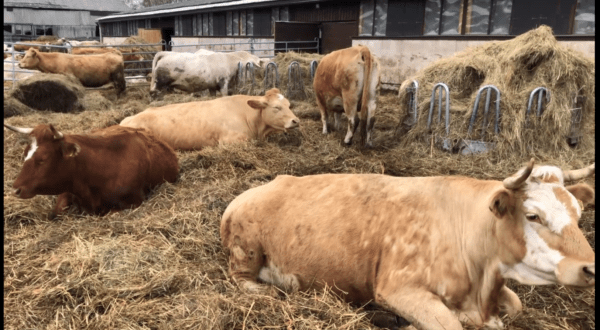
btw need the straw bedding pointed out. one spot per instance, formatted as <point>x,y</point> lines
<point>161,266</point>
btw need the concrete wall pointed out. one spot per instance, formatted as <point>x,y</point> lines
<point>48,17</point>
<point>263,47</point>
<point>403,58</point>
<point>113,40</point>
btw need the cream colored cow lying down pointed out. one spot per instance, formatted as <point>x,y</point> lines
<point>195,125</point>
<point>434,250</point>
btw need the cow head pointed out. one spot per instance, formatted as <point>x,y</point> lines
<point>45,170</point>
<point>30,60</point>
<point>537,227</point>
<point>275,110</point>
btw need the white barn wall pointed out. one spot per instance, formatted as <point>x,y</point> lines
<point>403,58</point>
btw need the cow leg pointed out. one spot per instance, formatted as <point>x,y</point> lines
<point>509,302</point>
<point>118,79</point>
<point>63,201</point>
<point>323,111</point>
<point>350,100</point>
<point>223,83</point>
<point>423,309</point>
<point>336,116</point>
<point>245,261</point>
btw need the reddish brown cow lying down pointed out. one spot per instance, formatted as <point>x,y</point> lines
<point>91,70</point>
<point>434,250</point>
<point>111,168</point>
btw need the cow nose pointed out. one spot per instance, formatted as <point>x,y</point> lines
<point>590,271</point>
<point>295,122</point>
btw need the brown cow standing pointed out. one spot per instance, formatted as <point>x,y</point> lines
<point>346,81</point>
<point>110,169</point>
<point>91,70</point>
<point>434,250</point>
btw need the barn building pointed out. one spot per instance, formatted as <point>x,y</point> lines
<point>406,35</point>
<point>29,19</point>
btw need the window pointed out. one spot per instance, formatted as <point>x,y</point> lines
<point>585,18</point>
<point>527,15</point>
<point>123,31</point>
<point>187,25</point>
<point>48,31</point>
<point>8,28</point>
<point>39,30</point>
<point>27,30</point>
<point>219,26</point>
<point>18,29</point>
<point>262,22</point>
<point>405,18</point>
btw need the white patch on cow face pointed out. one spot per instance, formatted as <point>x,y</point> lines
<point>32,149</point>
<point>546,171</point>
<point>540,263</point>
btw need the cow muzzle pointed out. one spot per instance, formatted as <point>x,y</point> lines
<point>23,193</point>
<point>576,273</point>
<point>294,123</point>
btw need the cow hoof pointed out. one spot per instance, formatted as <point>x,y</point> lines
<point>52,215</point>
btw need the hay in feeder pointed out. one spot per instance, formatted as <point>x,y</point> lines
<point>516,67</point>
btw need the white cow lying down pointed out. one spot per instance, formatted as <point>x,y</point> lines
<point>196,72</point>
<point>230,119</point>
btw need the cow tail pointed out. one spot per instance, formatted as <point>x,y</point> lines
<point>157,58</point>
<point>364,113</point>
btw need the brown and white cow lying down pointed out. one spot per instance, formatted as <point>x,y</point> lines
<point>230,119</point>
<point>346,81</point>
<point>424,248</point>
<point>109,169</point>
<point>91,70</point>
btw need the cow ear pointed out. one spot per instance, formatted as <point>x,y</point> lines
<point>503,203</point>
<point>583,192</point>
<point>256,104</point>
<point>70,149</point>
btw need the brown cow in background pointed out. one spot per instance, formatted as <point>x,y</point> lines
<point>111,168</point>
<point>91,70</point>
<point>346,81</point>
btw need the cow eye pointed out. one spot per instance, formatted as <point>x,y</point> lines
<point>533,217</point>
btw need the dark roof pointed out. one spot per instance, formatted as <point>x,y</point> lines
<point>175,5</point>
<point>101,5</point>
<point>195,6</point>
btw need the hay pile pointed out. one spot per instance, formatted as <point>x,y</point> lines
<point>49,91</point>
<point>162,266</point>
<point>145,67</point>
<point>516,67</point>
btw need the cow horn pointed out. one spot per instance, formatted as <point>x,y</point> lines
<point>574,175</point>
<point>19,129</point>
<point>57,135</point>
<point>515,181</point>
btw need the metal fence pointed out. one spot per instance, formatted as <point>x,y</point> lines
<point>137,70</point>
<point>264,49</point>
<point>13,73</point>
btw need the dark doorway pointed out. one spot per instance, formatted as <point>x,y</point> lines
<point>97,30</point>
<point>337,35</point>
<point>166,36</point>
<point>296,31</point>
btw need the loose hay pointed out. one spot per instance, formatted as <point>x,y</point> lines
<point>147,66</point>
<point>161,266</point>
<point>48,91</point>
<point>516,67</point>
